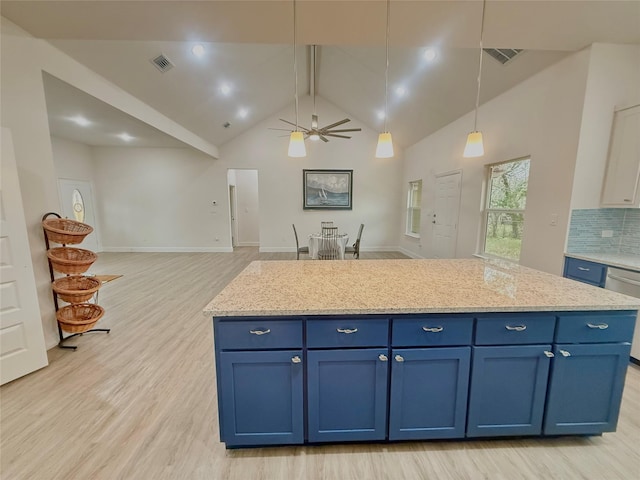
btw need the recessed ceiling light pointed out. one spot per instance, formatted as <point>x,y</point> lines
<point>243,112</point>
<point>80,120</point>
<point>401,91</point>
<point>125,136</point>
<point>380,114</point>
<point>225,89</point>
<point>430,54</point>
<point>198,50</point>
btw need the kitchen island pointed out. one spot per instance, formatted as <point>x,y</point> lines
<point>377,350</point>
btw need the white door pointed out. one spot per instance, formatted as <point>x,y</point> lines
<point>445,216</point>
<point>76,201</point>
<point>22,348</point>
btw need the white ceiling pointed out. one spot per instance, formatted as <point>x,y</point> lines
<point>249,45</point>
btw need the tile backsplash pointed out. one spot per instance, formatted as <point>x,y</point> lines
<point>585,231</point>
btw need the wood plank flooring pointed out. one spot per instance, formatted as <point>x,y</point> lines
<point>140,403</point>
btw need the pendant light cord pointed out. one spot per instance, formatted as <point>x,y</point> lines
<point>386,72</point>
<point>295,60</point>
<point>475,120</point>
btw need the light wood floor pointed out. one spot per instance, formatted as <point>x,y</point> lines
<point>140,403</point>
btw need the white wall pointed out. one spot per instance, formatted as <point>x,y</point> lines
<point>377,193</point>
<point>613,81</point>
<point>539,117</point>
<point>247,207</point>
<point>72,159</point>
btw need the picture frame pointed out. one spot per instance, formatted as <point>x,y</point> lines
<point>327,189</point>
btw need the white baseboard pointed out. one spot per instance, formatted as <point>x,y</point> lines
<point>168,249</point>
<point>409,253</point>
<point>248,244</point>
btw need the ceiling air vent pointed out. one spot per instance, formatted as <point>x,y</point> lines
<point>162,63</point>
<point>503,55</point>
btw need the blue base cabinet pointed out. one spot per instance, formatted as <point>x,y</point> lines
<point>428,393</point>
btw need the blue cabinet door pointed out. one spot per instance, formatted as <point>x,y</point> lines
<point>261,397</point>
<point>508,387</point>
<point>428,393</point>
<point>347,394</point>
<point>585,388</point>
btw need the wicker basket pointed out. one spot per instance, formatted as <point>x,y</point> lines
<point>65,231</point>
<point>80,317</point>
<point>71,260</point>
<point>76,288</point>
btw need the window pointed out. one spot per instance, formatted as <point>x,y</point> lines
<point>414,198</point>
<point>506,198</point>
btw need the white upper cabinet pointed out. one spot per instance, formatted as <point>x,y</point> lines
<point>623,165</point>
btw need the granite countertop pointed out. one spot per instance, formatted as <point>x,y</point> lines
<point>354,287</point>
<point>630,262</point>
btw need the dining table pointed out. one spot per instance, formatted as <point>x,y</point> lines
<point>314,244</point>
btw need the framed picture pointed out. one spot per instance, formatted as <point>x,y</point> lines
<point>327,189</point>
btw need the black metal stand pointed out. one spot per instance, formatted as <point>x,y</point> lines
<point>55,298</point>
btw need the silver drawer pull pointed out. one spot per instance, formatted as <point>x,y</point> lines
<point>399,358</point>
<point>296,359</point>
<point>347,330</point>
<point>565,353</point>
<point>583,269</point>
<point>549,354</point>
<point>383,358</point>
<point>517,328</point>
<point>260,332</point>
<point>433,329</point>
<point>600,326</point>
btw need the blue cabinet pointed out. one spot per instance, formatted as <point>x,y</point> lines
<point>585,388</point>
<point>585,271</point>
<point>508,388</point>
<point>347,394</point>
<point>261,397</point>
<point>428,393</point>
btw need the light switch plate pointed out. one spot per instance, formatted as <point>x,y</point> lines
<point>607,233</point>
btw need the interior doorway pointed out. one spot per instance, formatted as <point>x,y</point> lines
<point>445,215</point>
<point>244,207</point>
<point>76,202</point>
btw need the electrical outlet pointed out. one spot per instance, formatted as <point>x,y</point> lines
<point>554,219</point>
<point>607,233</point>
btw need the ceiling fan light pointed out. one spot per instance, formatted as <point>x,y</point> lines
<point>474,147</point>
<point>385,146</point>
<point>314,136</point>
<point>296,145</point>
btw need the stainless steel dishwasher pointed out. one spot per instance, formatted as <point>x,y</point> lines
<point>627,282</point>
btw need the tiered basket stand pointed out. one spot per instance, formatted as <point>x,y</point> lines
<point>68,291</point>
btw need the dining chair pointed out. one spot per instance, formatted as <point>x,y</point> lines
<point>299,249</point>
<point>355,249</point>
<point>329,249</point>
<point>326,224</point>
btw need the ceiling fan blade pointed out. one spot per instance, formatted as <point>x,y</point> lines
<point>328,127</point>
<point>334,135</point>
<point>346,130</point>
<point>284,129</point>
<point>323,138</point>
<point>287,121</point>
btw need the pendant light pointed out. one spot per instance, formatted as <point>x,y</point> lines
<point>385,144</point>
<point>475,147</point>
<point>296,140</point>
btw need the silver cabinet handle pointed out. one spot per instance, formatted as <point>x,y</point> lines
<point>583,269</point>
<point>433,329</point>
<point>296,359</point>
<point>549,354</point>
<point>517,328</point>
<point>627,199</point>
<point>399,358</point>
<point>383,358</point>
<point>601,326</point>
<point>565,353</point>
<point>260,332</point>
<point>347,330</point>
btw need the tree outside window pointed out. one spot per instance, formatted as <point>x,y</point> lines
<point>504,212</point>
<point>414,199</point>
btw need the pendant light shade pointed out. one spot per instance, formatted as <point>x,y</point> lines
<point>385,144</point>
<point>296,140</point>
<point>475,147</point>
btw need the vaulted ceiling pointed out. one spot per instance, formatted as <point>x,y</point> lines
<point>248,48</point>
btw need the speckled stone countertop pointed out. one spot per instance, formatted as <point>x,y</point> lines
<point>630,262</point>
<point>354,287</point>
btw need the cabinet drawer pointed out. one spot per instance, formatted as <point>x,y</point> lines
<point>258,334</point>
<point>432,331</point>
<point>514,329</point>
<point>595,327</point>
<point>584,271</point>
<point>347,333</point>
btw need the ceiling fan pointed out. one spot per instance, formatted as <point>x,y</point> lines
<point>315,132</point>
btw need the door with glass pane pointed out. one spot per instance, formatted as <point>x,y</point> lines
<point>76,202</point>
